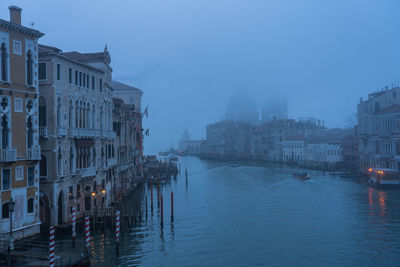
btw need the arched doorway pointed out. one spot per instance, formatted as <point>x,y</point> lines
<point>60,204</point>
<point>88,202</point>
<point>44,209</point>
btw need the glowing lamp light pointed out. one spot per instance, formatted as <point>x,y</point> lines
<point>103,191</point>
<point>370,169</point>
<point>93,194</point>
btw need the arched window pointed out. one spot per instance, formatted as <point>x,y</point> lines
<point>93,117</point>
<point>43,167</point>
<point>70,114</point>
<point>94,157</point>
<point>76,114</point>
<point>42,111</point>
<point>29,68</point>
<point>5,211</point>
<point>29,132</point>
<point>102,156</point>
<point>4,65</point>
<point>71,160</point>
<point>88,115</point>
<point>5,130</point>
<point>80,115</point>
<point>101,118</point>
<point>30,205</point>
<point>59,162</point>
<point>59,111</point>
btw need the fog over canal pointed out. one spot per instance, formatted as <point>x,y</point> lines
<point>261,215</point>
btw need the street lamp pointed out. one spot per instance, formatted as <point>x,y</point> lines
<point>11,206</point>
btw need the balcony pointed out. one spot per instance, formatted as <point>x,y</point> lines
<point>34,154</point>
<point>72,132</point>
<point>8,155</point>
<point>91,171</point>
<point>43,131</point>
<point>61,131</point>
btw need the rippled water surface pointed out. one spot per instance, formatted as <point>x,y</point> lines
<point>261,216</point>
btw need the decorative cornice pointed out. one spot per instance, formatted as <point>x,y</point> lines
<point>22,29</point>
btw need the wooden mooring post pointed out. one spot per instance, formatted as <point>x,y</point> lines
<point>162,212</point>
<point>172,206</point>
<point>186,175</point>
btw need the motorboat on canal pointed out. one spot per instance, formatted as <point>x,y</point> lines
<point>383,178</point>
<point>302,176</point>
<point>234,164</point>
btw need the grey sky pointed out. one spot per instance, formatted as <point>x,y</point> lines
<point>190,56</point>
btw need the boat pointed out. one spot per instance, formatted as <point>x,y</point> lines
<point>173,158</point>
<point>234,165</point>
<point>302,176</point>
<point>383,178</point>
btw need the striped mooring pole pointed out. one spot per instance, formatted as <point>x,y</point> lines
<point>117,225</point>
<point>87,233</point>
<point>73,226</point>
<point>51,247</point>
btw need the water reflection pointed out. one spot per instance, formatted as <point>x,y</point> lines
<point>257,215</point>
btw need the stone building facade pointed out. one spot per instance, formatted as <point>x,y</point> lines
<point>132,98</point>
<point>379,130</point>
<point>20,150</point>
<point>79,160</point>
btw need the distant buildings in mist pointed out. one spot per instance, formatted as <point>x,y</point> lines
<point>244,109</point>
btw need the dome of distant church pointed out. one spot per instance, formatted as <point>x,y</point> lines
<point>275,109</point>
<point>242,108</point>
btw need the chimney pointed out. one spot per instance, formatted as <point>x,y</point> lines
<point>15,14</point>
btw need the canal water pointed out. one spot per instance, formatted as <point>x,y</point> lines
<point>261,216</point>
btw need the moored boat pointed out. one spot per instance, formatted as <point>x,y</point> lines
<point>302,176</point>
<point>383,178</point>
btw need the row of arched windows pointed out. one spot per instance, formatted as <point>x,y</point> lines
<point>4,64</point>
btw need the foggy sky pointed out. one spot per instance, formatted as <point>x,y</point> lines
<point>190,56</point>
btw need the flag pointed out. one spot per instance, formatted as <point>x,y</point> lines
<point>147,133</point>
<point>146,111</point>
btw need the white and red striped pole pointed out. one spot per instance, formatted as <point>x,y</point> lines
<point>51,247</point>
<point>73,223</point>
<point>87,233</point>
<point>117,226</point>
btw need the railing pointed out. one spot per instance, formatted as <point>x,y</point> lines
<point>91,171</point>
<point>61,131</point>
<point>34,154</point>
<point>72,132</point>
<point>43,131</point>
<point>8,155</point>
<point>107,134</point>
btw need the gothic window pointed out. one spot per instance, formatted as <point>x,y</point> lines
<point>77,114</point>
<point>101,117</point>
<point>59,162</point>
<point>6,180</point>
<point>29,133</point>
<point>42,111</point>
<point>88,125</point>
<point>4,67</point>
<point>29,68</point>
<point>71,160</point>
<point>5,130</point>
<point>70,114</point>
<point>5,210</point>
<point>59,115</point>
<point>102,156</point>
<point>93,117</point>
<point>31,176</point>
<point>43,167</point>
<point>30,205</point>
